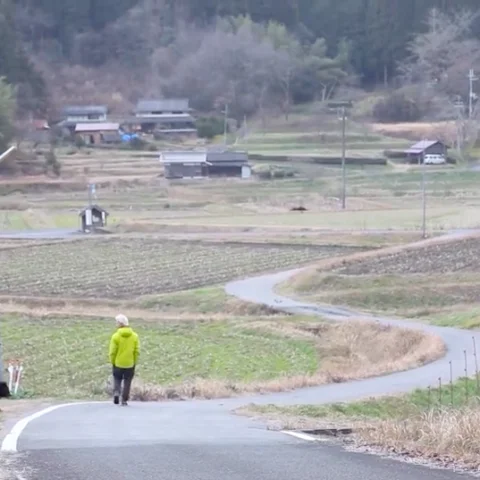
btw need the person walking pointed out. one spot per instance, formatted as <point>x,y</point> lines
<point>124,351</point>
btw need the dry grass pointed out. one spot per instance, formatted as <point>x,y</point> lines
<point>414,130</point>
<point>446,436</point>
<point>346,352</point>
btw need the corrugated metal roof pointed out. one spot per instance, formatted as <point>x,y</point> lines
<point>160,119</point>
<point>227,156</point>
<point>163,105</point>
<point>85,109</point>
<point>183,157</point>
<point>97,127</point>
<point>421,146</point>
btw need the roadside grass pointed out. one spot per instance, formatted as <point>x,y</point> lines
<point>208,359</point>
<point>461,394</point>
<point>439,425</point>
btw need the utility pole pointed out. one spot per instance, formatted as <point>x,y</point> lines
<point>225,125</point>
<point>343,106</point>
<point>344,174</point>
<point>424,198</point>
<point>471,94</point>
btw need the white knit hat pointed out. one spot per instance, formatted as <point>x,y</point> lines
<point>122,320</point>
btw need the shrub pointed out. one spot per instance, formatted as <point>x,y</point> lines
<point>210,127</point>
<point>269,172</point>
<point>79,142</point>
<point>397,108</point>
<point>52,162</point>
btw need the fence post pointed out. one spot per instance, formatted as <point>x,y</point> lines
<point>451,383</point>
<point>440,390</point>
<point>476,364</point>
<point>466,376</point>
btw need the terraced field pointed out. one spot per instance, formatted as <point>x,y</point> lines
<point>129,268</point>
<point>438,283</point>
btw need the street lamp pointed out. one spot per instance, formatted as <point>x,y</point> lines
<point>343,105</point>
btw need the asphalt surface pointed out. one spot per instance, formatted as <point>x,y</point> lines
<point>204,440</point>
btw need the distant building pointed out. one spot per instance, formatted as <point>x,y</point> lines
<point>93,217</point>
<point>97,133</point>
<point>430,151</point>
<point>163,117</point>
<point>228,164</point>
<point>72,115</point>
<point>188,164</point>
<point>195,164</point>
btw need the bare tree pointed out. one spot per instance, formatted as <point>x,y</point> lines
<point>442,56</point>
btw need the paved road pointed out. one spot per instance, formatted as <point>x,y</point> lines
<point>203,440</point>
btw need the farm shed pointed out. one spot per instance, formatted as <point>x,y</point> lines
<point>94,133</point>
<point>228,164</point>
<point>93,217</point>
<point>188,164</point>
<point>426,150</point>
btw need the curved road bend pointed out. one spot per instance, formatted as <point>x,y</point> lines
<point>202,440</point>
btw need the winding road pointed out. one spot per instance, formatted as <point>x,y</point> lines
<point>203,440</point>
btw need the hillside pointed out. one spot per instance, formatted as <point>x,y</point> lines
<point>115,50</point>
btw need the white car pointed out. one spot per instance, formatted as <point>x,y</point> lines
<point>435,159</point>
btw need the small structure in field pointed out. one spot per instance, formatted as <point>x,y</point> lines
<point>188,164</point>
<point>197,164</point>
<point>428,151</point>
<point>93,217</point>
<point>97,133</point>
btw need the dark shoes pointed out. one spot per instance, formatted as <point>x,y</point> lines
<point>116,399</point>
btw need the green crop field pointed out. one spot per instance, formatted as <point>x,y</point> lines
<point>129,268</point>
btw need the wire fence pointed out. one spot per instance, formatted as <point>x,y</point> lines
<point>463,391</point>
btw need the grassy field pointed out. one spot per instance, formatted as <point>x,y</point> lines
<point>437,283</point>
<point>207,359</point>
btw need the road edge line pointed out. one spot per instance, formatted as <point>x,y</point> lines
<point>9,443</point>
<point>302,436</point>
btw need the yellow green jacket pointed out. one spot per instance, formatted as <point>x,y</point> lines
<point>124,348</point>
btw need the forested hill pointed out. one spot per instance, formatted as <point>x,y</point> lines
<point>88,50</point>
<point>379,29</point>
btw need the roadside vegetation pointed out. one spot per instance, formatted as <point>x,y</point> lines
<point>439,424</point>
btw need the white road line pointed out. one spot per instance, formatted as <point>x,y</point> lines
<point>304,436</point>
<point>9,443</point>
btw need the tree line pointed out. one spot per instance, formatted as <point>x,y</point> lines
<point>250,54</point>
<point>378,30</point>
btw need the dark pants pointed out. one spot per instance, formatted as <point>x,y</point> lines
<point>125,374</point>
